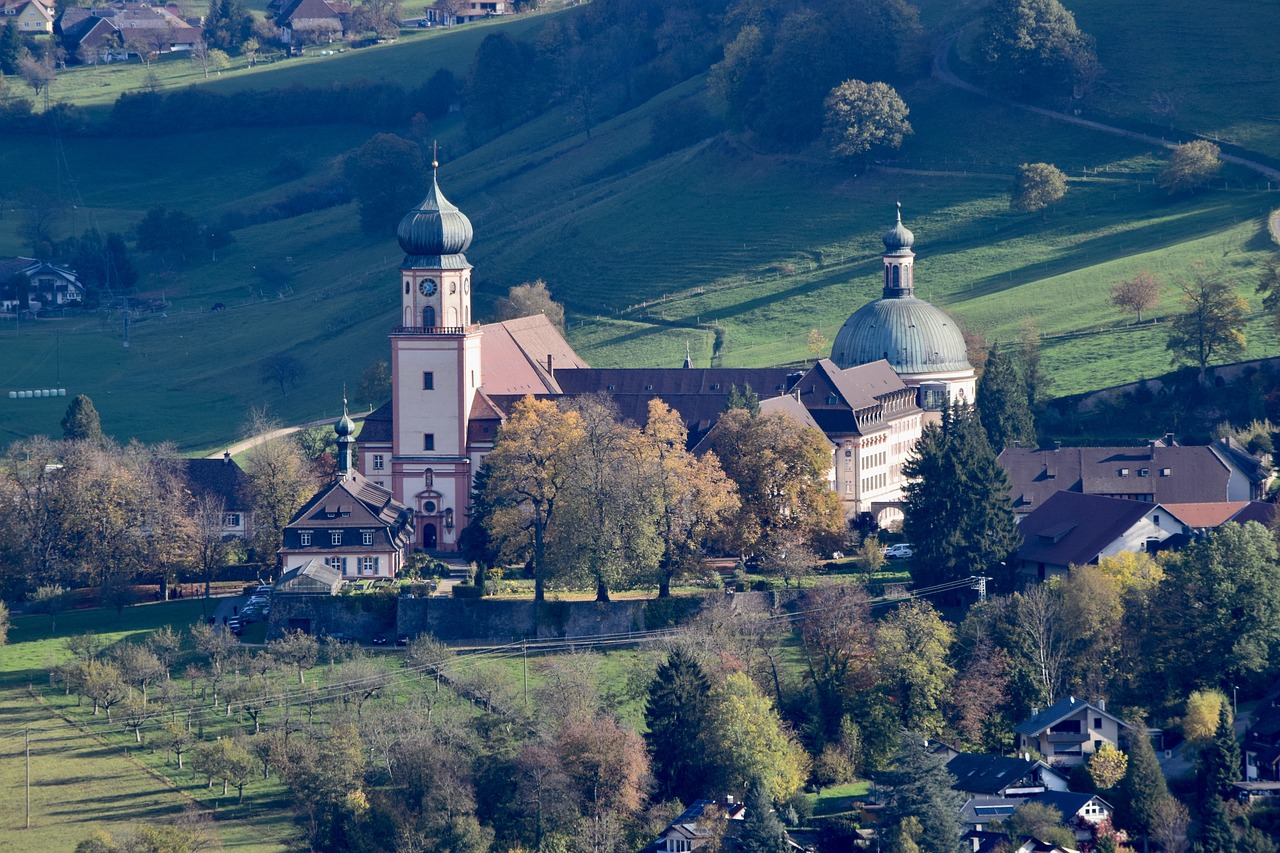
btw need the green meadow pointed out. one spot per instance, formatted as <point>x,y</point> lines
<point>733,252</point>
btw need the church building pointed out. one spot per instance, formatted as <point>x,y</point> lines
<point>894,361</point>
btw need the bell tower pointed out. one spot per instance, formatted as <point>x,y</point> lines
<point>435,369</point>
<point>899,261</point>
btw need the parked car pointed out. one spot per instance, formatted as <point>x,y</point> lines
<point>379,640</point>
<point>402,640</point>
<point>901,551</point>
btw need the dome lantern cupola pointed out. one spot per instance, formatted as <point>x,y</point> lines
<point>345,429</point>
<point>898,240</point>
<point>434,229</point>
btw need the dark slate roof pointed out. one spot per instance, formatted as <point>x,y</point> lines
<point>377,425</point>
<point>352,501</point>
<point>1194,474</point>
<point>1069,803</point>
<point>1259,511</point>
<point>308,10</point>
<point>675,381</point>
<point>221,478</point>
<point>1057,712</point>
<point>1072,529</point>
<point>987,774</point>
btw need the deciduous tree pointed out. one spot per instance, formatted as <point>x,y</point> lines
<point>1107,766</point>
<point>1034,48</point>
<point>279,483</point>
<point>912,648</point>
<point>528,300</point>
<point>861,116</point>
<point>387,175</point>
<point>1138,294</point>
<point>1211,326</point>
<point>748,741</point>
<point>1200,720</point>
<point>1190,166</point>
<point>1036,187</point>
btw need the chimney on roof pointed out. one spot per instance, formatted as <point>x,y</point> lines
<point>1102,704</point>
<point>1057,445</point>
<point>1151,448</point>
<point>1034,710</point>
<point>226,457</point>
<point>1169,440</point>
<point>550,365</point>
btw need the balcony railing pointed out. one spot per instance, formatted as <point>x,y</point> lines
<point>429,330</point>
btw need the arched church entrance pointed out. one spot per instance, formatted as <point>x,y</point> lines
<point>428,536</point>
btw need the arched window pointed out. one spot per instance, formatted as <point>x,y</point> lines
<point>897,271</point>
<point>886,276</point>
<point>406,288</point>
<point>429,316</point>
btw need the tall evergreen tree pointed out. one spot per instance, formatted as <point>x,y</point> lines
<point>12,50</point>
<point>1219,763</point>
<point>958,511</point>
<point>761,831</point>
<point>920,787</point>
<point>676,714</point>
<point>1214,834</point>
<point>1002,403</point>
<point>1140,792</point>
<point>81,422</point>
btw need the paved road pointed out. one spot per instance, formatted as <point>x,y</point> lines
<point>242,446</point>
<point>942,71</point>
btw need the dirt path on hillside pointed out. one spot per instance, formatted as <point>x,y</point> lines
<point>942,71</point>
<point>241,446</point>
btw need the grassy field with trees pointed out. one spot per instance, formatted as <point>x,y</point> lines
<point>773,242</point>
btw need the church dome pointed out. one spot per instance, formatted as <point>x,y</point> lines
<point>912,335</point>
<point>898,238</point>
<point>435,227</point>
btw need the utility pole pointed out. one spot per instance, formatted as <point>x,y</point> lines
<point>524,655</point>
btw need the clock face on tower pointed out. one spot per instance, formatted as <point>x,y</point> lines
<point>427,287</point>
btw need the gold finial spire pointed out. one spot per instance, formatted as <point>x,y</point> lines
<point>435,158</point>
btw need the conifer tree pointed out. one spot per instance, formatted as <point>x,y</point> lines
<point>1002,403</point>
<point>920,787</point>
<point>958,511</point>
<point>81,422</point>
<point>1140,792</point>
<point>761,830</point>
<point>1214,835</point>
<point>676,714</point>
<point>1219,763</point>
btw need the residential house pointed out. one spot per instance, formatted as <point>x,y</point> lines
<point>989,842</point>
<point>1080,812</point>
<point>1070,731</point>
<point>353,525</point>
<point>138,29</point>
<point>1200,518</point>
<point>48,286</point>
<point>980,775</point>
<point>1262,740</point>
<point>225,482</point>
<point>28,16</point>
<point>1161,472</point>
<point>446,13</point>
<point>696,828</point>
<point>303,22</point>
<point>1074,529</point>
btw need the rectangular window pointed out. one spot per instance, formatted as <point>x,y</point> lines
<point>377,461</point>
<point>428,381</point>
<point>335,537</point>
<point>428,441</point>
<point>366,537</point>
<point>306,537</point>
<point>1097,722</point>
<point>231,519</point>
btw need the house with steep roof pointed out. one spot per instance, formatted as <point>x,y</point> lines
<point>48,286</point>
<point>988,775</point>
<point>1080,812</point>
<point>1070,731</point>
<point>1073,529</point>
<point>1161,472</point>
<point>303,22</point>
<point>137,29</point>
<point>353,525</point>
<point>225,483</point>
<point>703,822</point>
<point>28,16</point>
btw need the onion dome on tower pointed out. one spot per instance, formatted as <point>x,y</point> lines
<point>345,429</point>
<point>920,341</point>
<point>435,233</point>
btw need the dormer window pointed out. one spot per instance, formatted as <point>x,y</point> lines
<point>832,400</point>
<point>305,537</point>
<point>1142,472</point>
<point>1124,472</point>
<point>1165,472</point>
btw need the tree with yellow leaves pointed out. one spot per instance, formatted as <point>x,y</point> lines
<point>747,740</point>
<point>695,498</point>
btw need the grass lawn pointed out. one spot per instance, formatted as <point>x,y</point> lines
<point>838,799</point>
<point>717,245</point>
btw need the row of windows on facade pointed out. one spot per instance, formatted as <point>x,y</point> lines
<point>365,565</point>
<point>335,537</point>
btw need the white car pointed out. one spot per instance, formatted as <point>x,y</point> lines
<point>901,551</point>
